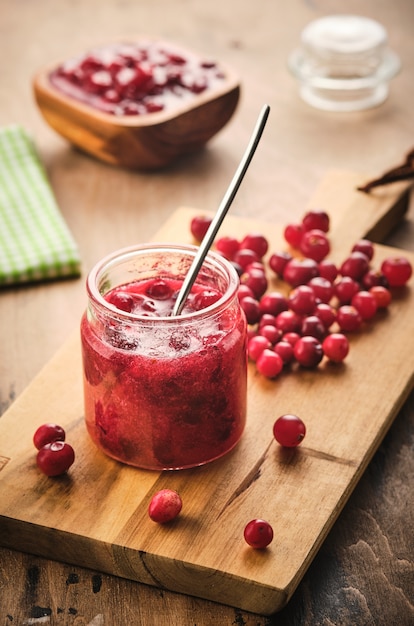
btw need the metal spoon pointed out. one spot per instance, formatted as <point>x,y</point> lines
<point>221,212</point>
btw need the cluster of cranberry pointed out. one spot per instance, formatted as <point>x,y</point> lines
<point>54,456</point>
<point>134,79</point>
<point>325,301</point>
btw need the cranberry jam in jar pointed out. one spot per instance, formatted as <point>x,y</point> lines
<point>162,391</point>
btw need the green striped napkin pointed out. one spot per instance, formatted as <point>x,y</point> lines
<point>35,242</point>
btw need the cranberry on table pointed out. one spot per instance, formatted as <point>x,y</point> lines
<point>55,458</point>
<point>365,303</point>
<point>269,363</point>
<point>336,347</point>
<point>47,433</point>
<point>308,351</point>
<point>382,295</point>
<point>256,280</point>
<point>348,318</point>
<point>256,242</point>
<point>256,345</point>
<point>258,534</point>
<point>251,309</point>
<point>397,270</point>
<point>199,226</point>
<point>293,234</point>
<point>227,246</point>
<point>315,245</point>
<point>316,219</point>
<point>355,265</point>
<point>300,271</point>
<point>302,300</point>
<point>289,430</point>
<point>365,246</point>
<point>273,302</point>
<point>165,505</point>
<point>345,289</point>
<point>277,262</point>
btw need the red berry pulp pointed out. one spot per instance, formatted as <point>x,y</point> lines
<point>136,78</point>
<point>165,393</point>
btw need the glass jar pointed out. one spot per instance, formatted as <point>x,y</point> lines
<point>344,63</point>
<point>163,392</point>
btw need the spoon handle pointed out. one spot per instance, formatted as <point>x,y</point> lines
<point>221,212</point>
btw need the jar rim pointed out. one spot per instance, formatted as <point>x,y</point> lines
<point>213,259</point>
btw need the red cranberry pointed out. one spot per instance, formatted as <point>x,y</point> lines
<point>288,321</point>
<point>300,271</point>
<point>55,458</point>
<point>244,291</point>
<point>327,269</point>
<point>199,226</point>
<point>251,309</point>
<point>258,534</point>
<point>322,288</point>
<point>165,506</point>
<point>397,270</point>
<point>269,364</point>
<point>335,347</point>
<point>227,246</point>
<point>273,302</point>
<point>277,262</point>
<point>316,219</point>
<point>326,313</point>
<point>382,295</point>
<point>256,345</point>
<point>348,318</point>
<point>256,242</point>
<point>313,326</point>
<point>270,331</point>
<point>315,245</point>
<point>256,280</point>
<point>293,234</point>
<point>308,351</point>
<point>345,289</point>
<point>289,430</point>
<point>285,350</point>
<point>365,246</point>
<point>47,433</point>
<point>355,266</point>
<point>245,257</point>
<point>365,303</point>
<point>302,300</point>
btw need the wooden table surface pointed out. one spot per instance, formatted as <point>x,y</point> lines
<point>364,572</point>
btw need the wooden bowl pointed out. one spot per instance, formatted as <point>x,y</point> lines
<point>146,141</point>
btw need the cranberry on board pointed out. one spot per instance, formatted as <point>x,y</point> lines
<point>293,234</point>
<point>302,300</point>
<point>165,505</point>
<point>315,245</point>
<point>355,265</point>
<point>308,351</point>
<point>349,318</point>
<point>55,458</point>
<point>316,219</point>
<point>256,242</point>
<point>199,225</point>
<point>336,347</point>
<point>227,246</point>
<point>277,262</point>
<point>397,270</point>
<point>365,246</point>
<point>258,534</point>
<point>289,430</point>
<point>300,271</point>
<point>46,433</point>
<point>256,345</point>
<point>269,363</point>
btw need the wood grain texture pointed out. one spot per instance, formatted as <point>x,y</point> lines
<point>347,411</point>
<point>363,573</point>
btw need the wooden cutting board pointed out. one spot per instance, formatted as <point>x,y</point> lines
<point>96,515</point>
